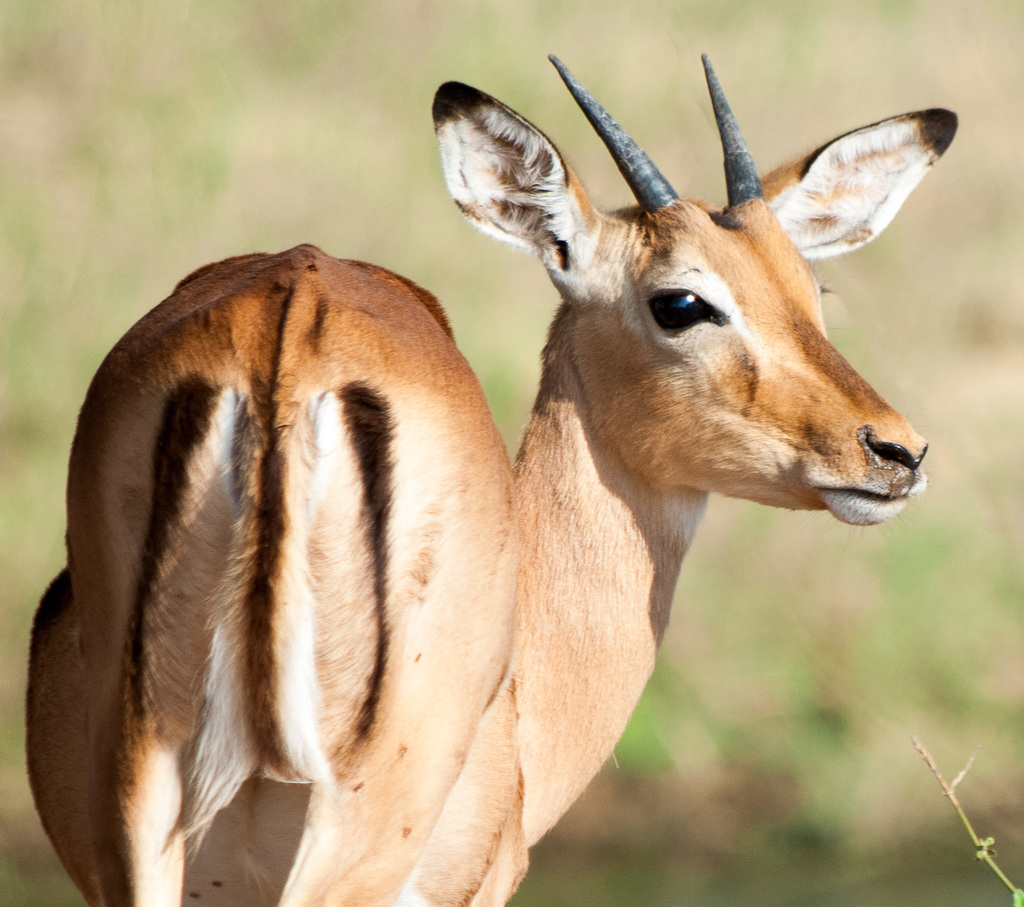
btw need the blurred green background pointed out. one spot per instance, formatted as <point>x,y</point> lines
<point>769,761</point>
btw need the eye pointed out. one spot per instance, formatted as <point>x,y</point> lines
<point>675,310</point>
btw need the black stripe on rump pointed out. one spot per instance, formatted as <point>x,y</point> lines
<point>369,422</point>
<point>187,414</point>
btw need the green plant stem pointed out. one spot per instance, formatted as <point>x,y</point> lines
<point>984,847</point>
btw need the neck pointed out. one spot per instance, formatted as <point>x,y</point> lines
<point>600,555</point>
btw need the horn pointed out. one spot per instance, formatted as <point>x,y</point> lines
<point>651,189</point>
<point>742,181</point>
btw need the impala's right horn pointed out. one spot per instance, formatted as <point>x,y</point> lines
<point>742,181</point>
<point>651,189</point>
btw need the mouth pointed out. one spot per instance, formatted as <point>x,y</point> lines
<point>867,508</point>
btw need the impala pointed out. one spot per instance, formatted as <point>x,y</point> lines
<point>316,642</point>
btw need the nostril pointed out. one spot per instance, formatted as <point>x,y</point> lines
<point>887,450</point>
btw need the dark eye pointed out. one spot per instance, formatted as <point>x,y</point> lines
<point>678,309</point>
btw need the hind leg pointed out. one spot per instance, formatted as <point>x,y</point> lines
<point>134,808</point>
<point>55,736</point>
<point>109,800</point>
<point>155,846</point>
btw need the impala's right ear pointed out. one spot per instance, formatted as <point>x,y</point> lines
<point>509,180</point>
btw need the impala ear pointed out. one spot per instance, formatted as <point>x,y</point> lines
<point>844,194</point>
<point>509,180</point>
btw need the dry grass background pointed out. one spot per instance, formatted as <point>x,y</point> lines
<point>139,140</point>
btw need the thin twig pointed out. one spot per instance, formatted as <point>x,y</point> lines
<point>984,851</point>
<point>966,768</point>
<point>931,764</point>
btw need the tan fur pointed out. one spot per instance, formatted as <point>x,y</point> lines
<point>317,643</point>
<point>450,585</point>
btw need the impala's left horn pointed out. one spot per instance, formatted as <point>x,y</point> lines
<point>651,189</point>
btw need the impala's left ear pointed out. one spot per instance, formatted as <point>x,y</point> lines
<point>509,180</point>
<point>844,194</point>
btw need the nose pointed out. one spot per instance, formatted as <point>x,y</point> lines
<point>889,450</point>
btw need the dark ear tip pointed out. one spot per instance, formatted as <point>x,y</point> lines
<point>938,127</point>
<point>453,99</point>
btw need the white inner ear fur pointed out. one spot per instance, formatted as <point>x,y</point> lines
<point>510,183</point>
<point>853,189</point>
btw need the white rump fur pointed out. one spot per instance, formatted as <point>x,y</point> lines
<point>223,756</point>
<point>854,188</point>
<point>298,694</point>
<point>511,183</point>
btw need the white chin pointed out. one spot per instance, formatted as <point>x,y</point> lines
<point>862,508</point>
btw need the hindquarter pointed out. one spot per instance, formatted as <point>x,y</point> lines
<point>292,550</point>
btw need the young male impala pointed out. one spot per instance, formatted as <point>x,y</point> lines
<point>316,641</point>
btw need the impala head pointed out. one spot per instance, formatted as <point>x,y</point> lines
<point>694,333</point>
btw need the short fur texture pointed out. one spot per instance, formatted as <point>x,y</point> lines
<point>316,642</point>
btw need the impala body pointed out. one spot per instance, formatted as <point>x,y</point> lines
<point>316,641</point>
